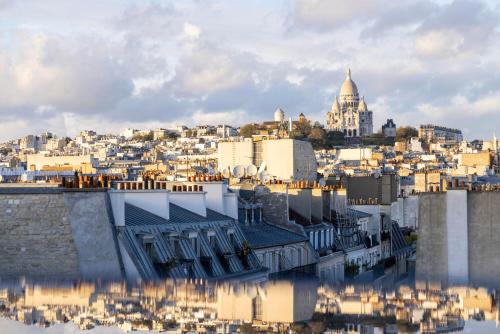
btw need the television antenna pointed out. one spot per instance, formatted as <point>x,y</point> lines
<point>262,167</point>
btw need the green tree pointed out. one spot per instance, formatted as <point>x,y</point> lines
<point>143,137</point>
<point>351,270</point>
<point>248,130</point>
<point>317,137</point>
<point>406,132</point>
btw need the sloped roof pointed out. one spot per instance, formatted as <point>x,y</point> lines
<point>359,214</point>
<point>266,235</point>
<point>135,216</point>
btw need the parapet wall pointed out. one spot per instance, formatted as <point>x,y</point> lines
<point>484,238</point>
<point>451,248</point>
<point>54,234</point>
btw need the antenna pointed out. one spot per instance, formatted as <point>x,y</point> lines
<point>262,167</point>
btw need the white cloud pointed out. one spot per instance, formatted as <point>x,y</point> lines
<point>191,31</point>
<point>439,43</point>
<point>208,69</point>
<point>143,64</point>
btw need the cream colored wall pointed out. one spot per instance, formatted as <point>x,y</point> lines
<point>234,305</point>
<point>278,305</point>
<point>299,200</point>
<point>39,296</point>
<point>304,161</point>
<point>231,154</point>
<point>39,160</point>
<point>278,154</point>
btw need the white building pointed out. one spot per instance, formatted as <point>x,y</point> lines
<point>350,114</point>
<point>285,159</point>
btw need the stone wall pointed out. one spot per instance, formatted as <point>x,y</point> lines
<point>56,235</point>
<point>36,239</point>
<point>274,199</point>
<point>484,238</point>
<point>93,232</point>
<point>432,260</point>
<point>439,241</point>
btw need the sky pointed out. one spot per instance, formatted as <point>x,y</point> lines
<point>66,66</point>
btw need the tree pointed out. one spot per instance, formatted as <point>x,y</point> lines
<point>351,270</point>
<point>248,130</point>
<point>143,137</point>
<point>334,138</point>
<point>317,137</point>
<point>406,132</point>
<point>301,131</point>
<point>317,326</point>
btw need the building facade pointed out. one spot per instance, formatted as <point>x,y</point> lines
<point>441,134</point>
<point>350,114</point>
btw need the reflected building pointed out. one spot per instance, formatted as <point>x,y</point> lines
<point>275,302</point>
<point>297,306</point>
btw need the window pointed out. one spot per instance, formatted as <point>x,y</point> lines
<point>257,307</point>
<point>195,244</point>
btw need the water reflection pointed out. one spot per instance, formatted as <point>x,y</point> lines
<point>295,306</point>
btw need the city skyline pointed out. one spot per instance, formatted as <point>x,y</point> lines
<point>146,65</point>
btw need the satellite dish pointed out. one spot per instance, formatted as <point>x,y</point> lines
<point>322,182</point>
<point>264,177</point>
<point>239,171</point>
<point>226,173</point>
<point>25,177</point>
<point>251,170</point>
<point>262,167</point>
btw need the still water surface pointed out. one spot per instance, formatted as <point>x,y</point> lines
<point>291,306</point>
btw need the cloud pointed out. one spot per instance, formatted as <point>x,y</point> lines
<point>149,64</point>
<point>207,69</point>
<point>439,43</point>
<point>326,14</point>
<point>191,31</point>
<point>61,73</point>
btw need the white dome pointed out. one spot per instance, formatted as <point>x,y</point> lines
<point>349,89</point>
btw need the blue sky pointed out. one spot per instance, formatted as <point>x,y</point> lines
<point>107,65</point>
